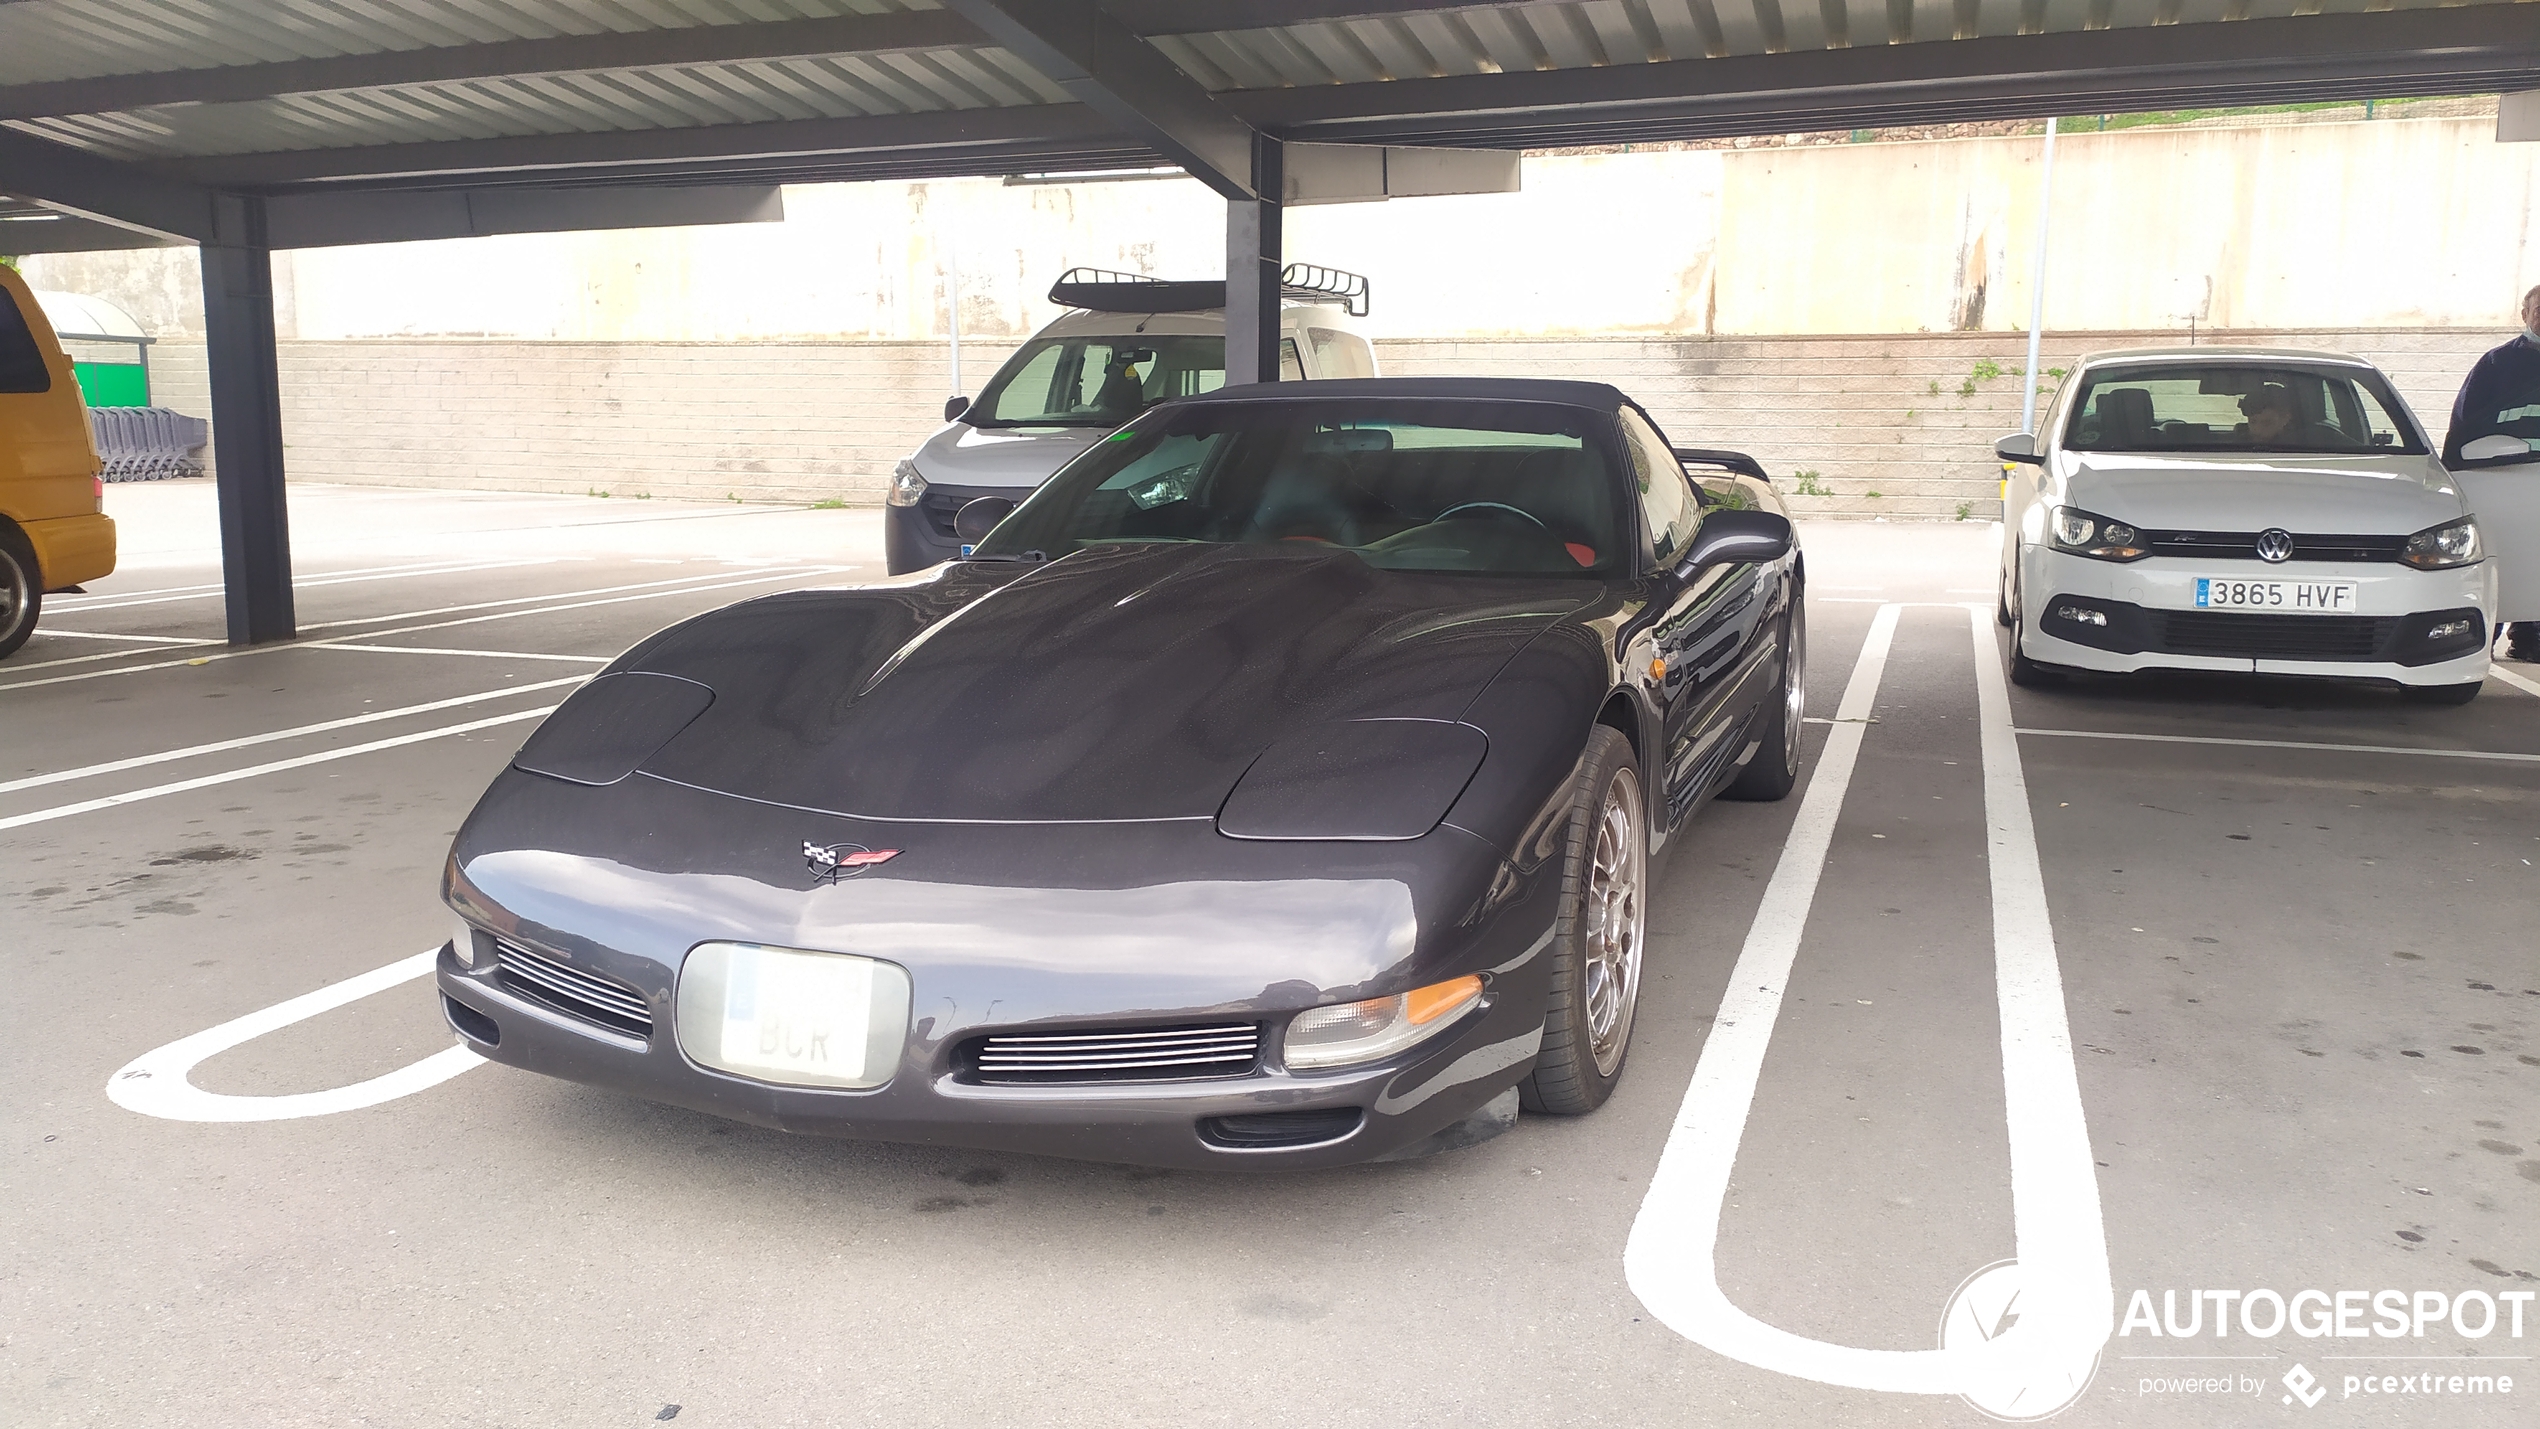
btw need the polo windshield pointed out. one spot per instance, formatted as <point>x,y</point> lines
<point>1433,485</point>
<point>2239,407</point>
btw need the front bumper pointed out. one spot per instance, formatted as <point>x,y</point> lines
<point>915,537</point>
<point>1161,924</point>
<point>2151,620</point>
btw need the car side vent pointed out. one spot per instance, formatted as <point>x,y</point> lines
<point>1262,1130</point>
<point>1141,1054</point>
<point>575,992</point>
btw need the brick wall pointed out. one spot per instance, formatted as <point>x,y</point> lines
<point>1910,418</point>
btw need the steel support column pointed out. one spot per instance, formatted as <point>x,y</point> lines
<point>1253,263</point>
<point>255,524</point>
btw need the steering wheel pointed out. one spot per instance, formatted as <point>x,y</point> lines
<point>1526,516</point>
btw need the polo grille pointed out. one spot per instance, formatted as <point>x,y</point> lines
<point>571,990</point>
<point>2273,637</point>
<point>2243,546</point>
<point>1128,1055</point>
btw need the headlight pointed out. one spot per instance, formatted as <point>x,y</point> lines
<point>906,484</point>
<point>1352,1032</point>
<point>2082,533</point>
<point>2442,546</point>
<point>463,941</point>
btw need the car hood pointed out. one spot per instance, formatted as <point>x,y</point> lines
<point>1134,682</point>
<point>964,455</point>
<point>2354,496</point>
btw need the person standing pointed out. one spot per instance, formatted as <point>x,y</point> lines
<point>2505,380</point>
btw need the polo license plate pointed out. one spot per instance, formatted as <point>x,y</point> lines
<point>2276,597</point>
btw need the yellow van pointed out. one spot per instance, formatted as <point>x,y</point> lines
<point>54,531</point>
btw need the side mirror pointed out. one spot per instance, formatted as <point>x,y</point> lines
<point>2500,449</point>
<point>955,406</point>
<point>1736,538</point>
<point>2019,447</point>
<point>977,517</point>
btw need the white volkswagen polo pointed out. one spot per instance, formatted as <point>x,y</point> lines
<point>2261,510</point>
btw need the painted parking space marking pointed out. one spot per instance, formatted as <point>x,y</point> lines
<point>2519,681</point>
<point>126,602</point>
<point>2280,744</point>
<point>643,594</point>
<point>158,1082</point>
<point>357,643</point>
<point>2062,1275</point>
<point>135,639</point>
<point>249,741</point>
<point>181,786</point>
<point>97,599</point>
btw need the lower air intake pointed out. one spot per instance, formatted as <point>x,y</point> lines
<point>1142,1054</point>
<point>551,983</point>
<point>1261,1130</point>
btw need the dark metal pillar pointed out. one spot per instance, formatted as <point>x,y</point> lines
<point>255,523</point>
<point>1253,262</point>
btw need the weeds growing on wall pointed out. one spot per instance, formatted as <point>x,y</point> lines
<point>1808,485</point>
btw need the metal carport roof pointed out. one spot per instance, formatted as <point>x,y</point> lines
<point>248,125</point>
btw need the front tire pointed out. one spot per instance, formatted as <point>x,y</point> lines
<point>2023,671</point>
<point>1597,941</point>
<point>21,590</point>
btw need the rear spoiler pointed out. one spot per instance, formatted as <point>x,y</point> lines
<point>1738,462</point>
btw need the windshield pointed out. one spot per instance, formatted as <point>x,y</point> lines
<point>1505,488</point>
<point>2238,406</point>
<point>1098,381</point>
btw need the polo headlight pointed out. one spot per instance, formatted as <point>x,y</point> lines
<point>2440,547</point>
<point>2083,533</point>
<point>906,484</point>
<point>1348,1033</point>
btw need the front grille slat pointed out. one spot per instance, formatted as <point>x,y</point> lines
<point>1136,1054</point>
<point>570,990</point>
<point>2273,637</point>
<point>2243,546</point>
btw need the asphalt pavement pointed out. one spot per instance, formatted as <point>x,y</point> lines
<point>2213,995</point>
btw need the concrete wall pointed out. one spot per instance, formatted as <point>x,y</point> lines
<point>1910,418</point>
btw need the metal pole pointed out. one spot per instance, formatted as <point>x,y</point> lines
<point>952,268</point>
<point>2037,279</point>
<point>238,339</point>
<point>1253,262</point>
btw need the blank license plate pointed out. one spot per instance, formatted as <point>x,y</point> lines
<point>2279,597</point>
<point>797,1013</point>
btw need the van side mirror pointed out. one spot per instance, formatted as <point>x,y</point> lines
<point>2501,449</point>
<point>977,517</point>
<point>2019,447</point>
<point>955,406</point>
<point>1735,538</point>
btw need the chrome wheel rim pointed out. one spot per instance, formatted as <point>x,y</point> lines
<point>13,592</point>
<point>1794,689</point>
<point>1613,918</point>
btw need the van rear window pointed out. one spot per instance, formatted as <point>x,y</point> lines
<point>22,366</point>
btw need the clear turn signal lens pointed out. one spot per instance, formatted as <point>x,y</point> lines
<point>462,941</point>
<point>1348,1033</point>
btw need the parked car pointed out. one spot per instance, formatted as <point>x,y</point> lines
<point>1128,343</point>
<point>1276,786</point>
<point>2268,510</point>
<point>54,531</point>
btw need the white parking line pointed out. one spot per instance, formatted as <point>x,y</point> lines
<point>353,642</point>
<point>234,654</point>
<point>206,781</point>
<point>156,1082</point>
<point>2519,681</point>
<point>2066,1310</point>
<point>2283,744</point>
<point>136,639</point>
<point>309,583</point>
<point>91,771</point>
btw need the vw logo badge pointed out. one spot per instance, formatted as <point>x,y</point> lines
<point>2275,545</point>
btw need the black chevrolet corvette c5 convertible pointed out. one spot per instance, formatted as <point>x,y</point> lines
<point>1276,786</point>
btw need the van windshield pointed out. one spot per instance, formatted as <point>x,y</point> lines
<point>1097,381</point>
<point>2251,407</point>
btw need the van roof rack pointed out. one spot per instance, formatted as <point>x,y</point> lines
<point>1100,290</point>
